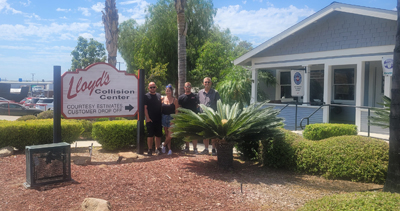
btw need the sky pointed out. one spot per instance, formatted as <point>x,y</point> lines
<point>36,35</point>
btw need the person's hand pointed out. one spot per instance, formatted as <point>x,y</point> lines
<point>148,120</point>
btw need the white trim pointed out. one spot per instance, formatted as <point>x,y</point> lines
<point>388,86</point>
<point>254,76</point>
<point>325,55</point>
<point>366,11</point>
<point>327,91</point>
<point>359,95</point>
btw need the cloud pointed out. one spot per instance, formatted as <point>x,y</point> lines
<point>6,7</point>
<point>25,4</point>
<point>260,24</point>
<point>86,35</point>
<point>138,12</point>
<point>98,7</point>
<point>244,2</point>
<point>10,47</point>
<point>65,18</point>
<point>99,24</point>
<point>85,11</point>
<point>21,32</point>
<point>63,10</point>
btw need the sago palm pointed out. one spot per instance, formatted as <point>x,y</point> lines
<point>228,125</point>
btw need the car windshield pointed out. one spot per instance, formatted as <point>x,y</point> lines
<point>45,101</point>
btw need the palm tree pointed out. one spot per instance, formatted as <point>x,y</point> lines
<point>228,125</point>
<point>182,29</point>
<point>110,21</point>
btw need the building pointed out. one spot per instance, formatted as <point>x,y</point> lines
<point>341,48</point>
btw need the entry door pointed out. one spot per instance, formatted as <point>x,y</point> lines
<point>378,84</point>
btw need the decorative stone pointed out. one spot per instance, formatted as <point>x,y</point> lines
<point>6,151</point>
<point>130,156</point>
<point>93,204</point>
<point>81,160</point>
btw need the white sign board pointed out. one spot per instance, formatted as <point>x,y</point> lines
<point>297,77</point>
<point>100,90</point>
<point>387,65</point>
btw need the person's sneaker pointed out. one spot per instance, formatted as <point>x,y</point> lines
<point>195,151</point>
<point>150,152</point>
<point>185,150</point>
<point>170,152</point>
<point>158,151</point>
<point>213,152</point>
<point>205,152</point>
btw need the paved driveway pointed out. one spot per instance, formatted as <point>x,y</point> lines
<point>9,118</point>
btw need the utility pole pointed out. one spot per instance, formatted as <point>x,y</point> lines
<point>33,76</point>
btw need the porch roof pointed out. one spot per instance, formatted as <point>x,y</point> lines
<point>245,60</point>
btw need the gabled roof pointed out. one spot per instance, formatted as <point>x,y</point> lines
<point>333,7</point>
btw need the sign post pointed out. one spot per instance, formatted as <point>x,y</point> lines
<point>297,84</point>
<point>98,91</point>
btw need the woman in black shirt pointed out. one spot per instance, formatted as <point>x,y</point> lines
<point>169,106</point>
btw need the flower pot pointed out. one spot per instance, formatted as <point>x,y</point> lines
<point>224,154</point>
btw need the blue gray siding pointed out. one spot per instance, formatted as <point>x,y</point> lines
<point>337,31</point>
<point>289,112</point>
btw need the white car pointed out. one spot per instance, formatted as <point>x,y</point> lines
<point>44,104</point>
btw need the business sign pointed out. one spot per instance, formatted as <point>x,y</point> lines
<point>100,90</point>
<point>297,77</point>
<point>387,65</point>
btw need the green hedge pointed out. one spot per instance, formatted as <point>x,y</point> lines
<point>118,134</point>
<point>115,134</point>
<point>323,131</point>
<point>355,158</point>
<point>20,134</point>
<point>279,152</point>
<point>355,201</point>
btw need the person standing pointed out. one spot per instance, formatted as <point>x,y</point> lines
<point>152,111</point>
<point>209,97</point>
<point>169,106</point>
<point>190,101</point>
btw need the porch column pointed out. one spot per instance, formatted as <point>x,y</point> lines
<point>306,97</point>
<point>359,91</point>
<point>327,91</point>
<point>254,77</point>
<point>388,86</point>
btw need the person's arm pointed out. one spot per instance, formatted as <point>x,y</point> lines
<point>217,97</point>
<point>146,113</point>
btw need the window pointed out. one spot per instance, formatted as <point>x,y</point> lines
<point>344,84</point>
<point>316,85</point>
<point>286,89</point>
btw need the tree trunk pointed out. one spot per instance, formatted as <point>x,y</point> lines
<point>225,154</point>
<point>110,21</point>
<point>392,183</point>
<point>180,11</point>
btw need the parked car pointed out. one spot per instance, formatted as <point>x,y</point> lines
<point>31,103</point>
<point>16,109</point>
<point>24,100</point>
<point>44,104</point>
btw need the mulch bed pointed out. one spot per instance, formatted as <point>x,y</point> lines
<point>177,182</point>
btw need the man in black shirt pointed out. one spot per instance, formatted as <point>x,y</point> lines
<point>190,101</point>
<point>152,111</point>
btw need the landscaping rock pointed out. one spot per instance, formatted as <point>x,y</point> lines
<point>81,160</point>
<point>93,204</point>
<point>6,151</point>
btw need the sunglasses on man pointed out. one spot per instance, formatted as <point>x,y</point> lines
<point>152,87</point>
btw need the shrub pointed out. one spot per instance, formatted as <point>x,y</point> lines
<point>322,131</point>
<point>353,158</point>
<point>46,115</point>
<point>356,201</point>
<point>27,117</point>
<point>116,134</point>
<point>21,134</point>
<point>120,118</point>
<point>279,152</point>
<point>248,149</point>
<point>87,129</point>
<point>102,119</point>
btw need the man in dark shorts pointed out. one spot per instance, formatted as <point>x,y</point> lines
<point>152,111</point>
<point>190,101</point>
<point>208,97</point>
